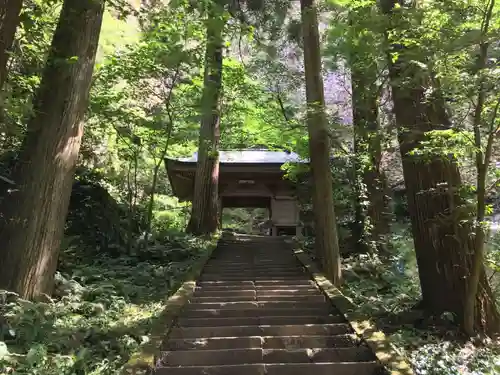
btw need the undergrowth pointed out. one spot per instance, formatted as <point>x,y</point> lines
<point>388,290</point>
<point>101,312</point>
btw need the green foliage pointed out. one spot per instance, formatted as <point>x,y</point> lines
<point>145,105</point>
<point>95,220</point>
<point>243,220</point>
<point>379,287</point>
<point>493,262</point>
<point>447,358</point>
<point>37,24</point>
<point>102,310</point>
<point>170,214</point>
<point>386,291</point>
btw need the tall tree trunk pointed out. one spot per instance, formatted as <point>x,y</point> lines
<point>9,20</point>
<point>204,213</point>
<point>367,136</point>
<point>33,217</point>
<point>327,245</point>
<point>440,221</point>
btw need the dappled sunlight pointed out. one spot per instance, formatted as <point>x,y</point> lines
<point>364,328</point>
<point>260,187</point>
<point>112,304</point>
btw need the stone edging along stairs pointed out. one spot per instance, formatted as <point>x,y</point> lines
<point>257,310</point>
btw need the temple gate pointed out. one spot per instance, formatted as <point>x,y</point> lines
<point>247,178</point>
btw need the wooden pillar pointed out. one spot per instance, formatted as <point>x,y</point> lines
<point>221,209</point>
<point>298,231</point>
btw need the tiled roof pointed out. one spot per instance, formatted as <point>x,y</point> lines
<point>252,156</point>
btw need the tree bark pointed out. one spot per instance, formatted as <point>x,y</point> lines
<point>327,245</point>
<point>441,223</point>
<point>205,211</point>
<point>9,20</point>
<point>34,215</point>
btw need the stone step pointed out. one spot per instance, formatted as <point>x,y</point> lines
<point>262,330</point>
<point>221,305</point>
<point>290,291</point>
<point>256,312</point>
<point>342,368</point>
<point>211,357</point>
<point>250,272</point>
<point>256,260</point>
<point>318,355</point>
<point>218,322</point>
<point>258,279</point>
<point>264,342</point>
<point>281,286</point>
<point>213,343</point>
<point>294,305</point>
<point>257,274</point>
<point>291,298</point>
<point>264,276</point>
<point>222,287</point>
<point>254,268</point>
<point>263,272</point>
<point>251,269</point>
<point>251,321</point>
<point>256,369</point>
<point>279,283</point>
<point>231,284</point>
<point>267,356</point>
<point>253,261</point>
<point>256,304</point>
<point>307,330</point>
<point>305,341</point>
<point>201,292</point>
<point>363,368</point>
<point>200,298</point>
<point>295,320</point>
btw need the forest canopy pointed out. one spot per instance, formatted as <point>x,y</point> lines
<point>395,104</point>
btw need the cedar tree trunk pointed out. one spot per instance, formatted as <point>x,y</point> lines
<point>205,210</point>
<point>441,222</point>
<point>9,20</point>
<point>327,246</point>
<point>33,219</point>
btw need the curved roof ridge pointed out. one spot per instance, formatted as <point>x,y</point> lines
<point>254,156</point>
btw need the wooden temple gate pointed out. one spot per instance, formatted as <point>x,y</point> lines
<point>247,178</point>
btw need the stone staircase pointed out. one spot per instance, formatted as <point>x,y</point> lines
<point>255,311</point>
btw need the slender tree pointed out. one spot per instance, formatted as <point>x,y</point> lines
<point>441,222</point>
<point>9,20</point>
<point>483,160</point>
<point>327,245</point>
<point>205,210</point>
<point>33,217</point>
<point>367,138</point>
<point>372,217</point>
